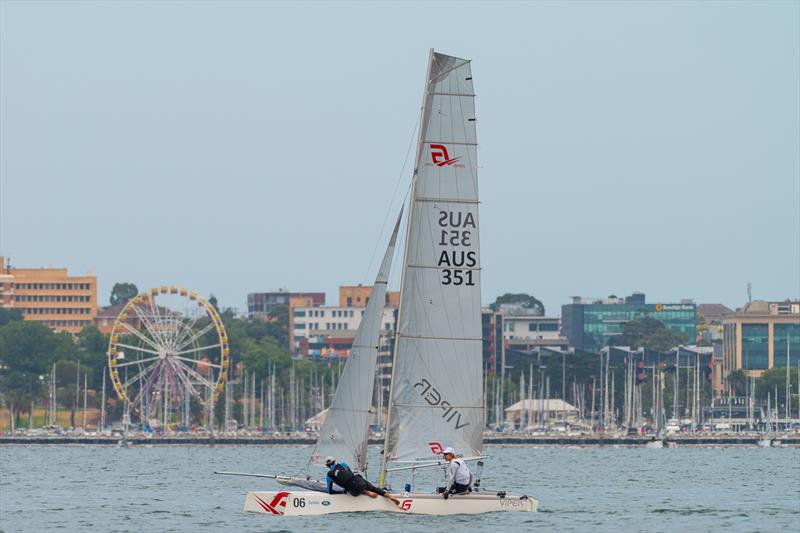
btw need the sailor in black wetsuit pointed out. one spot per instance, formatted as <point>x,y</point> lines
<point>355,485</point>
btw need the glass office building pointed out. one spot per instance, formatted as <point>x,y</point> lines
<point>755,346</point>
<point>590,326</point>
<point>761,336</point>
<point>786,344</point>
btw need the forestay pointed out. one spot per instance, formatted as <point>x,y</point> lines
<point>437,392</point>
<point>345,430</point>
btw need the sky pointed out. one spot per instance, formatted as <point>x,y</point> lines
<point>244,147</point>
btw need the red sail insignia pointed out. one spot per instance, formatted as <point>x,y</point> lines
<point>440,157</point>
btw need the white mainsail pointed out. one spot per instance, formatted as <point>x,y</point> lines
<point>437,381</point>
<point>345,430</point>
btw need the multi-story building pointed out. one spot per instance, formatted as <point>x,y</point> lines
<point>358,296</point>
<point>260,304</point>
<point>531,327</point>
<point>713,313</point>
<point>510,335</point>
<point>319,331</point>
<point>761,336</point>
<point>107,316</point>
<point>526,335</point>
<point>592,324</point>
<point>50,296</point>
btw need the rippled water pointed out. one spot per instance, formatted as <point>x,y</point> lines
<point>579,489</point>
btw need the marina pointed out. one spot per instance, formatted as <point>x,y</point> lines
<point>491,440</point>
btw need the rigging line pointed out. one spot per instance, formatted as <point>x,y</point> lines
<point>394,194</point>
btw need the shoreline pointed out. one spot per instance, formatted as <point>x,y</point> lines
<point>499,440</point>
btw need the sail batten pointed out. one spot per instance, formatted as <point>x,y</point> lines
<point>437,383</point>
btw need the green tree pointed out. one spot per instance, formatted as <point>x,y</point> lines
<point>92,347</point>
<point>737,381</point>
<point>649,333</point>
<point>67,380</point>
<point>527,301</point>
<point>27,351</point>
<point>636,330</point>
<point>772,380</point>
<point>122,292</point>
<point>260,356</point>
<point>9,315</point>
<point>663,340</point>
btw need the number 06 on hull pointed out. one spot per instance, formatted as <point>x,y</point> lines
<point>298,503</point>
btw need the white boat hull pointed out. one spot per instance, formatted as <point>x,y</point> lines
<point>295,503</point>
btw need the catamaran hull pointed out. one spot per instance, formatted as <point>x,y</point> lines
<point>295,503</point>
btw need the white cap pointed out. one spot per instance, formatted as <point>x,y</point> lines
<point>330,459</point>
<point>448,450</point>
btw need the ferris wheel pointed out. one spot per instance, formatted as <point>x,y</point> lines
<point>168,357</point>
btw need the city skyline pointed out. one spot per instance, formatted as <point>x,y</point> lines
<point>335,299</point>
<point>231,163</point>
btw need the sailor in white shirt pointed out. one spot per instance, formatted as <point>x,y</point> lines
<point>460,477</point>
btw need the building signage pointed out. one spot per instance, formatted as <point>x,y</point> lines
<point>674,307</point>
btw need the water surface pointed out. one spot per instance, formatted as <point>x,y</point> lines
<point>171,488</point>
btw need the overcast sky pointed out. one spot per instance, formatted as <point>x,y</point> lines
<point>241,147</point>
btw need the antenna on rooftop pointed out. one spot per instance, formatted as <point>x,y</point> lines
<point>749,292</point>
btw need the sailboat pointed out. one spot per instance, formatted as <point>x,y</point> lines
<point>766,438</point>
<point>436,393</point>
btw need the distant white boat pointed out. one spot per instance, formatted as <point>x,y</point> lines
<point>673,426</point>
<point>655,443</point>
<point>766,443</point>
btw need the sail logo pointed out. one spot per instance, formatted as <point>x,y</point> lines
<point>436,447</point>
<point>278,501</point>
<point>434,397</point>
<point>441,158</point>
